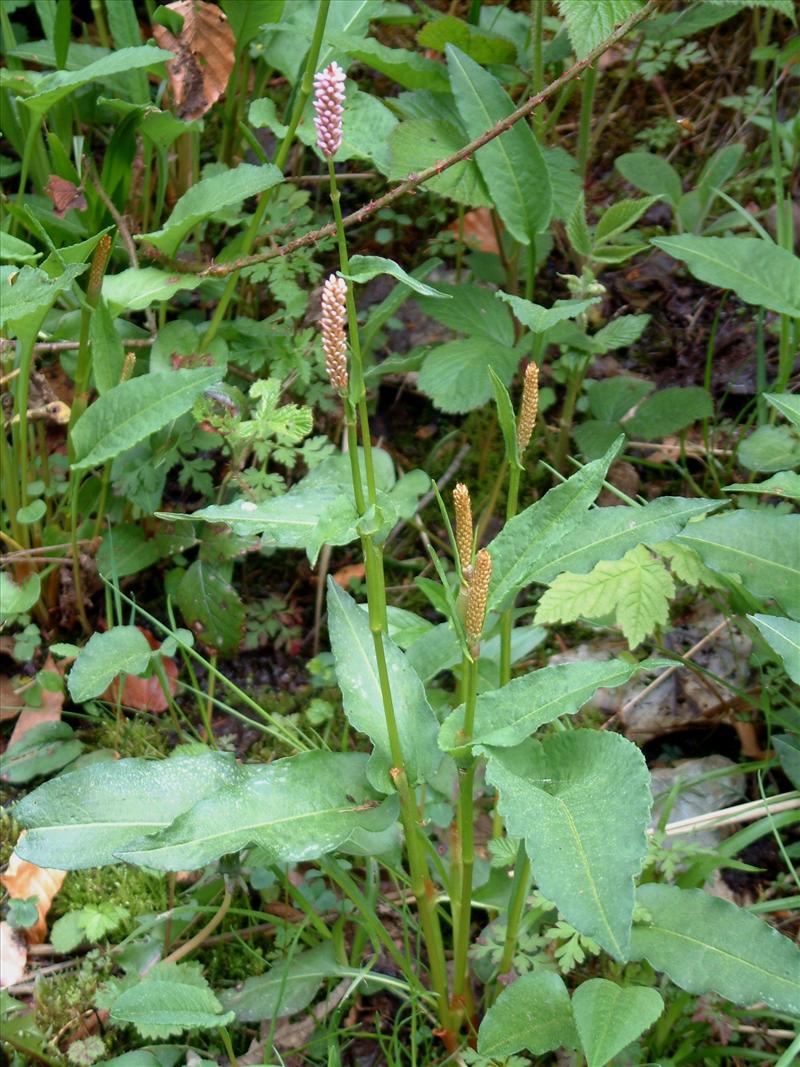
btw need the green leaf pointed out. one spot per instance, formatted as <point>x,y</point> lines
<point>619,333</point>
<point>588,25</point>
<point>512,164</point>
<point>636,589</point>
<point>758,271</point>
<point>581,800</point>
<point>138,287</point>
<point>31,512</point>
<point>669,410</point>
<point>409,69</point>
<point>783,484</point>
<point>28,294</point>
<point>538,318</point>
<point>122,650</point>
<point>365,268</point>
<point>126,550</point>
<point>54,87</point>
<point>17,599</point>
<point>42,750</point>
<point>455,375</point>
<point>612,398</point>
<point>507,420</point>
<point>286,988</point>
<point>209,196</point>
<point>472,310</point>
<point>84,818</point>
<point>782,636</point>
<point>419,143</point>
<point>357,675</point>
<point>770,448</point>
<point>706,944</point>
<point>609,1017</point>
<point>787,404</point>
<point>506,716</point>
<point>211,607</point>
<point>247,19</point>
<point>620,217</point>
<point>171,998</point>
<point>294,809</point>
<point>18,251</point>
<point>532,1014</point>
<point>108,352</point>
<point>652,174</point>
<point>479,44</point>
<point>528,539</point>
<point>130,412</point>
<point>787,748</point>
<point>763,549</point>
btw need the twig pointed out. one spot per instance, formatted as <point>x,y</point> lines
<point>122,226</point>
<point>415,180</point>
<point>740,813</point>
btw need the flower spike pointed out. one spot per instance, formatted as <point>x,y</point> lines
<point>328,99</point>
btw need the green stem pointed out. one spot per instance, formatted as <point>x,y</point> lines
<point>516,906</point>
<point>507,621</point>
<point>75,483</point>
<point>538,68</point>
<point>567,415</point>
<point>306,86</point>
<point>466,837</point>
<point>588,85</point>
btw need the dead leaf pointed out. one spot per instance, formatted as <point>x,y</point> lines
<point>10,701</point>
<point>50,711</point>
<point>23,880</point>
<point>144,694</point>
<point>478,230</point>
<point>204,56</point>
<point>66,196</point>
<point>13,955</point>
<point>345,575</point>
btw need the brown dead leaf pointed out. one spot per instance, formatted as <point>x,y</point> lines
<point>345,575</point>
<point>13,955</point>
<point>144,694</point>
<point>10,702</point>
<point>50,711</point>
<point>204,56</point>
<point>65,195</point>
<point>478,230</point>
<point>23,880</point>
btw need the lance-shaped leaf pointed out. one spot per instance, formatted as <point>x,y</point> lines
<point>357,674</point>
<point>129,412</point>
<point>538,318</point>
<point>529,539</point>
<point>81,819</point>
<point>762,548</point>
<point>365,268</point>
<point>787,404</point>
<point>782,636</point>
<point>581,802</point>
<point>706,944</point>
<point>287,987</point>
<point>512,165</point>
<point>533,1013</point>
<point>294,809</point>
<point>506,716</point>
<point>609,1017</point>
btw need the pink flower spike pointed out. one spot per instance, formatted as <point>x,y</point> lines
<point>328,99</point>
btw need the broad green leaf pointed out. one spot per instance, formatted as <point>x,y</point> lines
<point>761,548</point>
<point>506,716</point>
<point>365,268</point>
<point>565,181</point>
<point>706,944</point>
<point>619,333</point>
<point>287,987</point>
<point>526,542</point>
<point>16,250</point>
<point>612,398</point>
<point>758,271</point>
<point>594,437</point>
<point>581,801</point>
<point>211,607</point>
<point>472,310</point>
<point>61,83</point>
<point>620,217</point>
<point>84,818</point>
<point>609,1017</point>
<point>512,164</point>
<point>455,375</point>
<point>209,196</point>
<point>247,19</point>
<point>787,748</point>
<point>28,294</point>
<point>357,675</point>
<point>108,352</point>
<point>170,999</point>
<point>138,287</point>
<point>787,404</point>
<point>130,412</point>
<point>782,636</point>
<point>481,45</point>
<point>122,650</point>
<point>650,173</point>
<point>533,1014</point>
<point>419,143</point>
<point>31,512</point>
<point>538,318</point>
<point>293,809</point>
<point>635,589</point>
<point>783,484</point>
<point>770,448</point>
<point>42,750</point>
<point>669,410</point>
<point>409,69</point>
<point>17,599</point>
<point>126,550</point>
<point>588,25</point>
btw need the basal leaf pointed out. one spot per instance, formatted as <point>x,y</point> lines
<point>170,999</point>
<point>287,987</point>
<point>532,1014</point>
<point>409,69</point>
<point>706,944</point>
<point>610,1016</point>
<point>581,802</point>
<point>61,83</point>
<point>669,410</point>
<point>455,375</point>
<point>211,606</point>
<point>357,674</point>
<point>472,310</point>
<point>787,404</point>
<point>650,173</point>
<point>139,287</point>
<point>42,750</point>
<point>121,650</point>
<point>782,636</point>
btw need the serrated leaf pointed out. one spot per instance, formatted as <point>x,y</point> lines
<point>474,311</point>
<point>211,607</point>
<point>170,999</point>
<point>620,217</point>
<point>83,818</point>
<point>619,333</point>
<point>609,1017</point>
<point>636,589</point>
<point>419,143</point>
<point>512,164</point>
<point>122,650</point>
<point>589,24</point>
<point>763,549</point>
<point>706,944</point>
<point>456,375</point>
<point>782,636</point>
<point>758,271</point>
<point>538,318</point>
<point>532,1014</point>
<point>293,809</point>
<point>130,412</point>
<point>686,565</point>
<point>365,268</point>
<point>17,599</point>
<point>581,800</point>
<point>357,674</point>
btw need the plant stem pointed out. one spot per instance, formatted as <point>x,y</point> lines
<point>466,836</point>
<point>516,905</point>
<point>588,86</point>
<point>537,70</point>
<point>201,935</point>
<point>507,621</point>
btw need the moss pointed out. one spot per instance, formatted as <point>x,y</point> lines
<point>229,962</point>
<point>127,887</point>
<point>9,832</point>
<point>61,999</point>
<point>136,736</point>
